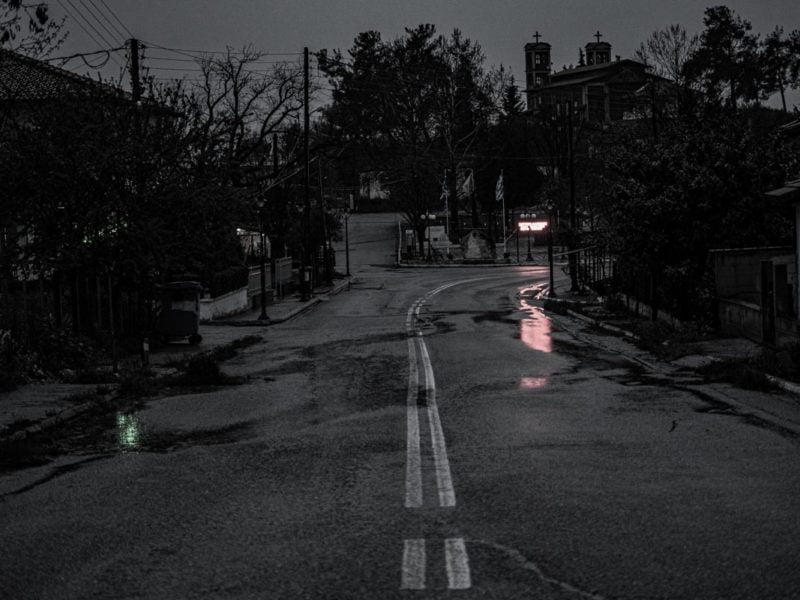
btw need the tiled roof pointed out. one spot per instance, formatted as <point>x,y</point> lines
<point>25,78</point>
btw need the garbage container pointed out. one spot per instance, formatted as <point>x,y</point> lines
<point>179,311</point>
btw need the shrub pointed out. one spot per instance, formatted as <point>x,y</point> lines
<point>15,362</point>
<point>228,280</point>
<point>137,384</point>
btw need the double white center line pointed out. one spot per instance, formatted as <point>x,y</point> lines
<point>414,556</point>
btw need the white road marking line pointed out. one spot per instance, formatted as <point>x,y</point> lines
<point>413,460</point>
<point>457,564</point>
<point>413,577</point>
<point>444,481</point>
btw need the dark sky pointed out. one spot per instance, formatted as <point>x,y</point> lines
<point>502,28</point>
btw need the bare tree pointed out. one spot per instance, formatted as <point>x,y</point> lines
<point>244,99</point>
<point>666,52</point>
<point>27,28</point>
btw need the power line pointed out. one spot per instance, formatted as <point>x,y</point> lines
<point>119,33</point>
<point>99,22</point>
<point>89,23</point>
<point>107,44</point>
<point>113,14</point>
<point>195,53</point>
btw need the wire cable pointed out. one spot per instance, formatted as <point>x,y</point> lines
<point>97,20</point>
<point>106,45</point>
<point>89,23</point>
<point>119,33</point>
<point>113,14</point>
<point>196,53</point>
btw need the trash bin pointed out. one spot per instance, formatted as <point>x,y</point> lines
<point>179,312</point>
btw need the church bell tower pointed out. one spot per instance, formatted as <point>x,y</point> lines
<point>537,67</point>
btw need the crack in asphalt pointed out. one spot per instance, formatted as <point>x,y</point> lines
<point>55,473</point>
<point>525,563</point>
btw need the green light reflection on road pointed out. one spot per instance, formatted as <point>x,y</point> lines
<point>129,430</point>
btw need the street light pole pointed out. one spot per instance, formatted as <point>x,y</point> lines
<point>347,241</point>
<point>263,316</point>
<point>528,217</point>
<point>550,257</point>
<point>306,276</point>
<point>428,219</point>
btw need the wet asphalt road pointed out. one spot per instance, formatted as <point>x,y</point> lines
<point>403,442</point>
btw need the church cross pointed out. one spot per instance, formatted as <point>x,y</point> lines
<point>537,36</point>
<point>598,35</point>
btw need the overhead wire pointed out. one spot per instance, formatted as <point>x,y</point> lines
<point>106,44</point>
<point>119,32</point>
<point>113,14</point>
<point>97,20</point>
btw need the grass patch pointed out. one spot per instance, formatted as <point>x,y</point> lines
<point>222,353</point>
<point>20,454</point>
<point>137,383</point>
<point>747,373</point>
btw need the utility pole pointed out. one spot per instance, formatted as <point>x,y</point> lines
<point>136,94</point>
<point>306,284</point>
<point>653,109</point>
<point>136,86</point>
<point>573,216</point>
<point>326,258</point>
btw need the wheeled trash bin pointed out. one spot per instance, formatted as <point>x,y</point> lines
<point>179,311</point>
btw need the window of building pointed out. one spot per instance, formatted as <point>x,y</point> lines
<point>784,294</point>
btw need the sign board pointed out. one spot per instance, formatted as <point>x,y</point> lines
<point>532,225</point>
<point>283,270</point>
<point>437,237</point>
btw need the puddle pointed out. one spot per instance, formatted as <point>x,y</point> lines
<point>532,383</point>
<point>129,431</point>
<point>535,331</point>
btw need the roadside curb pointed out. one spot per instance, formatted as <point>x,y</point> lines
<point>468,266</point>
<point>787,386</point>
<point>60,417</point>
<point>602,324</point>
<point>336,289</point>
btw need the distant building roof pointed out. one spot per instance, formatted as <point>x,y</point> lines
<point>789,192</point>
<point>583,74</point>
<point>23,79</point>
<point>792,128</point>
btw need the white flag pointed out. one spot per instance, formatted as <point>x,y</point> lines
<point>499,193</point>
<point>468,187</point>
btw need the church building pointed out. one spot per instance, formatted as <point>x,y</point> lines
<point>602,88</point>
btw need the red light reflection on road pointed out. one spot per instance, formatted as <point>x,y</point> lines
<point>532,383</point>
<point>535,332</point>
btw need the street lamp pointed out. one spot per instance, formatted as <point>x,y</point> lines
<point>263,316</point>
<point>347,241</point>
<point>550,257</point>
<point>528,218</point>
<point>428,218</point>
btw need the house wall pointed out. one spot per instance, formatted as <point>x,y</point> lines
<point>737,275</point>
<point>739,318</point>
<point>223,306</point>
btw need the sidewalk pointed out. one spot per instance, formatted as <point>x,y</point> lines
<point>36,406</point>
<point>697,353</point>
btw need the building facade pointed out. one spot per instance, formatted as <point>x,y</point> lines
<point>602,88</point>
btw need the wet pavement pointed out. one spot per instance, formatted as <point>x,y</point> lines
<point>552,460</point>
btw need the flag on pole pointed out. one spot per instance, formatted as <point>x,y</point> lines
<point>468,187</point>
<point>499,193</point>
<point>500,196</point>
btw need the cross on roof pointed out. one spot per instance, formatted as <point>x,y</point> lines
<point>536,36</point>
<point>598,35</point>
